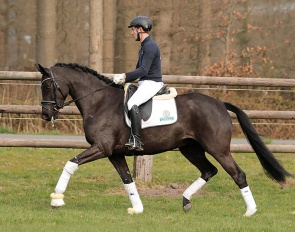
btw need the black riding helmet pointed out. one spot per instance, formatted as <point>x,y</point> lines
<point>141,21</point>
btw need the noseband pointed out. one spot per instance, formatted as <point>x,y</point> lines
<point>57,106</point>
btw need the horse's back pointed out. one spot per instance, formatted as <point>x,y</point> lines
<point>200,105</point>
<point>205,118</point>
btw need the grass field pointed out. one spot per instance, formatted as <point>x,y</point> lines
<point>95,199</point>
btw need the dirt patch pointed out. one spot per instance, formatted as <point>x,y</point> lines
<point>170,191</point>
<point>173,190</point>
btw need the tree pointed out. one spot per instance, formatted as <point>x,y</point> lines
<point>231,55</point>
<point>11,34</point>
<point>46,32</point>
<point>96,35</point>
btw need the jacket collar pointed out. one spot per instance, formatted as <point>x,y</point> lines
<point>145,40</point>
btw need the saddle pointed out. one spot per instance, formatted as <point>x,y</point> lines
<point>163,101</point>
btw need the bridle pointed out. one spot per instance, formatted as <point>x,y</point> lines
<point>57,106</point>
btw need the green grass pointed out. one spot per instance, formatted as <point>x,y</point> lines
<point>96,201</point>
<point>4,129</point>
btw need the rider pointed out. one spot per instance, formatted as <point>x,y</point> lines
<point>148,71</point>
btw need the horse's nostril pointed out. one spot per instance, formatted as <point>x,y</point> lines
<point>45,117</point>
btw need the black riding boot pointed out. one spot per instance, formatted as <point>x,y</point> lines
<point>134,142</point>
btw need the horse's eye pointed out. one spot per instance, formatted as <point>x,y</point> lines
<point>46,87</point>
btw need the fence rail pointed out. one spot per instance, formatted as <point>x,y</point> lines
<point>172,79</point>
<point>78,143</point>
<point>73,110</point>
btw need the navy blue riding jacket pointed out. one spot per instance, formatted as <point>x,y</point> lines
<point>148,66</point>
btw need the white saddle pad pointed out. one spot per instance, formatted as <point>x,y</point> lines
<point>164,112</point>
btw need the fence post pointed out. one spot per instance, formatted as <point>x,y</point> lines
<point>142,167</point>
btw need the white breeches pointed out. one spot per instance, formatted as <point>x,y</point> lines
<point>146,90</point>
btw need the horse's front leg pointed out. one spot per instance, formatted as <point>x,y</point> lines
<point>122,168</point>
<point>91,154</point>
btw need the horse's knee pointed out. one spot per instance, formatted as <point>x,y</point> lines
<point>71,167</point>
<point>75,160</point>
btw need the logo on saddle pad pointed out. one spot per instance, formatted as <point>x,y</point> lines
<point>166,116</point>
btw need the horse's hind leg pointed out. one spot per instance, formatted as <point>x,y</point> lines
<point>231,167</point>
<point>196,155</point>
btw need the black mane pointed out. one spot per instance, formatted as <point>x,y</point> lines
<point>91,71</point>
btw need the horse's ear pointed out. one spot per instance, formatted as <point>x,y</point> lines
<point>41,69</point>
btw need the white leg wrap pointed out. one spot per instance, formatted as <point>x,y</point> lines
<point>193,188</point>
<point>249,200</point>
<point>134,198</point>
<point>63,181</point>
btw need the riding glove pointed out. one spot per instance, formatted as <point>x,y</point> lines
<point>119,78</point>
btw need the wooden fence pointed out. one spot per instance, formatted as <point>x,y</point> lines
<point>73,110</point>
<point>143,168</point>
<point>171,79</point>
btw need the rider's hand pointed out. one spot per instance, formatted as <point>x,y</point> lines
<point>119,78</point>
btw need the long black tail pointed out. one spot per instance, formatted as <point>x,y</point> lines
<point>272,167</point>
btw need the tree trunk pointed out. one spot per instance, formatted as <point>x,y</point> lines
<point>203,44</point>
<point>12,52</point>
<point>46,32</point>
<point>109,36</point>
<point>205,24</point>
<point>3,56</point>
<point>96,34</point>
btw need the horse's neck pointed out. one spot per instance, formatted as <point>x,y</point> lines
<point>83,88</point>
<point>83,84</point>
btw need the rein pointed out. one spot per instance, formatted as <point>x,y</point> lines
<point>79,98</point>
<point>58,106</point>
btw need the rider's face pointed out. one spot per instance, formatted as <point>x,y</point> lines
<point>134,32</point>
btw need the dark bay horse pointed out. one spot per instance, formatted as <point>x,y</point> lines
<point>203,125</point>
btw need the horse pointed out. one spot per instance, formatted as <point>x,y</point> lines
<point>203,126</point>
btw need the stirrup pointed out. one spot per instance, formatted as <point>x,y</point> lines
<point>139,146</point>
<point>130,143</point>
<point>134,143</point>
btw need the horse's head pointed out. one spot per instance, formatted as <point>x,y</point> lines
<point>54,93</point>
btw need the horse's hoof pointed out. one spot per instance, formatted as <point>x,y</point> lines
<point>56,203</point>
<point>187,207</point>
<point>132,211</point>
<point>186,204</point>
<point>250,212</point>
<point>57,200</point>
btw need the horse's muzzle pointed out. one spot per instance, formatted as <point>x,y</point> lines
<point>46,117</point>
<point>49,113</point>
